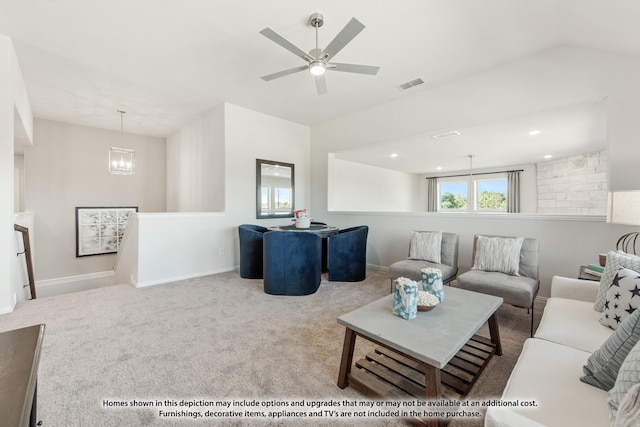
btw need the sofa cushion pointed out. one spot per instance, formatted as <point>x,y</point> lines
<point>425,245</point>
<point>628,377</point>
<point>548,373</point>
<point>615,260</point>
<point>574,323</point>
<point>410,268</point>
<point>622,299</point>
<point>500,254</point>
<point>603,365</point>
<point>515,290</point>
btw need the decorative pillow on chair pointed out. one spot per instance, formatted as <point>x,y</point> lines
<point>622,298</point>
<point>501,254</point>
<point>624,397</point>
<point>426,245</point>
<point>603,365</point>
<point>615,260</point>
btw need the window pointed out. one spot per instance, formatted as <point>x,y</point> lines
<point>487,195</point>
<point>283,198</point>
<point>452,196</point>
<point>491,195</point>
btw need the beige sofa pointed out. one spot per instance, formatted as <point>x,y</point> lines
<point>549,368</point>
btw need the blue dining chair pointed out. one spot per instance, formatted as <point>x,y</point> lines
<point>292,262</point>
<point>347,254</point>
<point>251,250</point>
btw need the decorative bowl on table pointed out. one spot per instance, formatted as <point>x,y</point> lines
<point>427,301</point>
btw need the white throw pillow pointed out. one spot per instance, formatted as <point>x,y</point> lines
<point>426,245</point>
<point>622,298</point>
<point>501,254</point>
<point>628,377</point>
<point>629,409</point>
<point>615,260</point>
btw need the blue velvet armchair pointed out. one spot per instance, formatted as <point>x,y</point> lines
<point>251,250</point>
<point>292,263</point>
<point>347,254</point>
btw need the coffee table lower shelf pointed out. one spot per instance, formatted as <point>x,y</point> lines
<point>387,374</point>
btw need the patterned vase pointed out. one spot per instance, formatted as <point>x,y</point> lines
<point>405,298</point>
<point>432,282</point>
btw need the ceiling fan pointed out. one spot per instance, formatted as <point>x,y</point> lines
<point>318,59</point>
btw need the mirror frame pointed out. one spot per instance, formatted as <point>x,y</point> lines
<point>259,213</point>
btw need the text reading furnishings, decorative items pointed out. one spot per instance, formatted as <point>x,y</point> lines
<point>122,160</point>
<point>422,354</point>
<point>275,189</point>
<point>506,267</point>
<point>20,354</point>
<point>251,254</point>
<point>99,230</point>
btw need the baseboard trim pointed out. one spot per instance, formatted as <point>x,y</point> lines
<point>8,309</point>
<point>179,278</point>
<point>377,267</point>
<point>74,279</point>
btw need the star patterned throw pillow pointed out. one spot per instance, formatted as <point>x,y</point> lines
<point>622,298</point>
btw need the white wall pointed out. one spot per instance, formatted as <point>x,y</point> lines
<point>179,245</point>
<point>558,76</point>
<point>167,247</point>
<point>15,118</point>
<point>359,187</point>
<point>196,165</point>
<point>67,167</point>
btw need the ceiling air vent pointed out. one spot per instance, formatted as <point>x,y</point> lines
<point>410,84</point>
<point>446,134</point>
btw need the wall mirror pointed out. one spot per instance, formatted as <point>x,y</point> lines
<point>275,189</point>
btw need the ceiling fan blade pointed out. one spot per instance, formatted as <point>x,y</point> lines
<point>353,68</point>
<point>347,34</point>
<point>284,73</point>
<point>321,85</point>
<point>277,38</point>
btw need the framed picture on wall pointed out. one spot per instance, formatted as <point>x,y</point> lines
<point>99,230</point>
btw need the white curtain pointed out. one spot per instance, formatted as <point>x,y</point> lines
<point>432,195</point>
<point>513,192</point>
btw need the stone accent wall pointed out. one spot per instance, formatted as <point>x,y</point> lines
<point>574,185</point>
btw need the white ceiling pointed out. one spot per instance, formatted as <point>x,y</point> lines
<point>165,61</point>
<point>559,132</point>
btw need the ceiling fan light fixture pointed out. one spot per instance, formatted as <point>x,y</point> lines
<point>317,68</point>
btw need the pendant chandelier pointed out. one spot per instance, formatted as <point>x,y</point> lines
<point>121,160</point>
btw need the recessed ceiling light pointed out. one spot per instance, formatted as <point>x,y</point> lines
<point>439,168</point>
<point>534,132</point>
<point>548,156</point>
<point>394,155</point>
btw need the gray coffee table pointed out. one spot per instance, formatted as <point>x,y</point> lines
<point>435,355</point>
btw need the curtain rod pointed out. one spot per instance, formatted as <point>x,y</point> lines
<point>472,174</point>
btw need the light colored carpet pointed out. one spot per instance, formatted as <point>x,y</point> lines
<point>218,337</point>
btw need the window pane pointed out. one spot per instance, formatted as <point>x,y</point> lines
<point>491,194</point>
<point>283,198</point>
<point>265,198</point>
<point>453,195</point>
